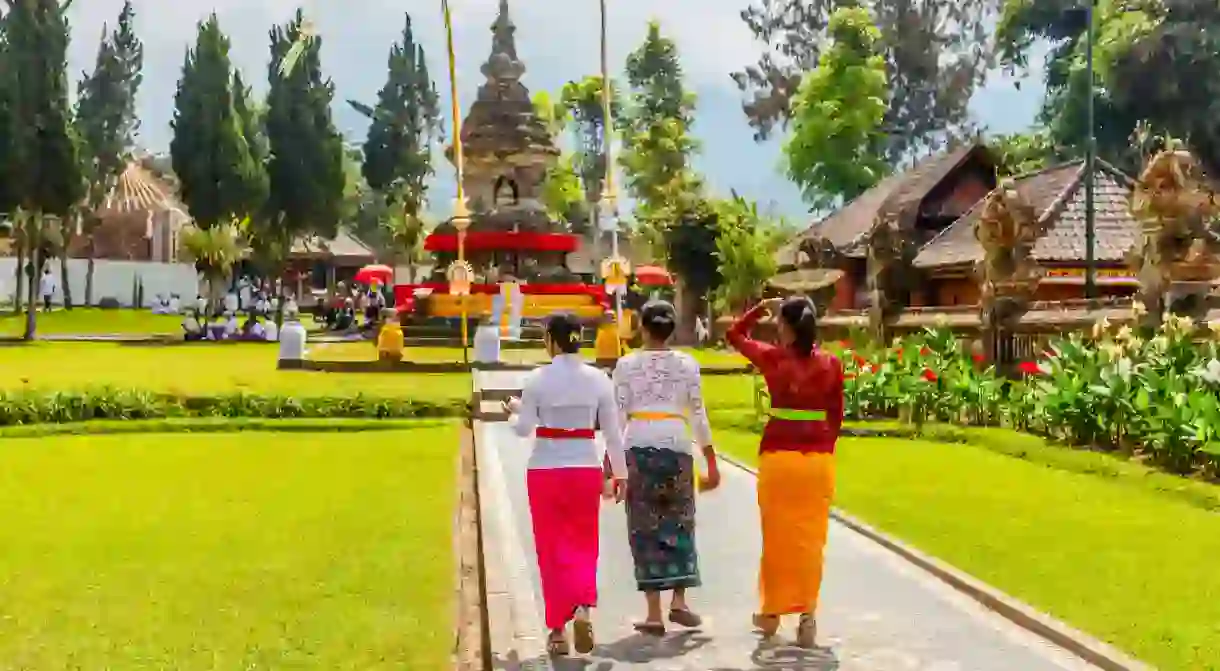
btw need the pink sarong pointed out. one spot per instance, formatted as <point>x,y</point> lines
<point>564,505</point>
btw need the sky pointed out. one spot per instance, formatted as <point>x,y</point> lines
<point>558,41</point>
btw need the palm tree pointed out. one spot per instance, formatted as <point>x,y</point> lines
<point>215,251</point>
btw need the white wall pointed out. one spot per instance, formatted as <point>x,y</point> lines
<point>113,279</point>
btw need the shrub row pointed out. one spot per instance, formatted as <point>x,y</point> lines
<point>32,407</point>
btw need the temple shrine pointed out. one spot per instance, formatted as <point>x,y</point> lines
<point>511,239</point>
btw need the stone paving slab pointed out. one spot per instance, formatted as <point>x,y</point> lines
<point>877,613</point>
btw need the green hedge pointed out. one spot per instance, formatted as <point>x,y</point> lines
<point>27,407</point>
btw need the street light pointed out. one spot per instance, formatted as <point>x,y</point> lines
<point>460,274</point>
<point>1090,156</point>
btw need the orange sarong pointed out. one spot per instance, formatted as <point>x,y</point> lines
<point>794,495</point>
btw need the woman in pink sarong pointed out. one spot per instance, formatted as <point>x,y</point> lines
<point>561,404</point>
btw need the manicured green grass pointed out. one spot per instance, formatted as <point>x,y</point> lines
<point>239,551</point>
<point>93,321</point>
<point>1115,549</point>
<point>363,351</point>
<point>202,369</point>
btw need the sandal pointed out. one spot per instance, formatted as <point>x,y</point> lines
<point>766,625</point>
<point>582,633</point>
<point>684,617</point>
<point>650,628</point>
<point>557,644</point>
<point>807,632</point>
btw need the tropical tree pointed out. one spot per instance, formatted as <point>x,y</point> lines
<point>306,166</point>
<point>211,157</point>
<point>562,194</point>
<point>1020,153</point>
<point>214,251</point>
<point>44,168</point>
<point>106,123</point>
<point>936,54</point>
<point>837,148</point>
<point>745,249</point>
<point>405,234</point>
<point>1155,61</point>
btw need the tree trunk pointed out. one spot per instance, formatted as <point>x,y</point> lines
<point>19,294</point>
<point>688,311</point>
<point>63,276</point>
<point>31,307</point>
<point>89,265</point>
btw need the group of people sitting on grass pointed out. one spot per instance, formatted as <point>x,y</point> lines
<point>197,327</point>
<point>354,308</point>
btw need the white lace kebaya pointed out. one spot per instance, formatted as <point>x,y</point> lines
<point>667,382</point>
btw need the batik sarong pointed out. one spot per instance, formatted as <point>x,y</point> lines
<point>794,494</point>
<point>661,518</point>
<point>564,505</point>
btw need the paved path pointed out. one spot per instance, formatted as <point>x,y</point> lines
<point>877,612</point>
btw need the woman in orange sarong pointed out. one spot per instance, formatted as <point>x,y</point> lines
<point>796,460</point>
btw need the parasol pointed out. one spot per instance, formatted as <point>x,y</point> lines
<point>374,273</point>
<point>653,276</point>
<point>806,280</point>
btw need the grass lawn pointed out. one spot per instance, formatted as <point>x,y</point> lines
<point>93,321</point>
<point>228,551</point>
<point>202,369</point>
<point>1106,545</point>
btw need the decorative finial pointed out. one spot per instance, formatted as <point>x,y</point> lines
<point>502,31</point>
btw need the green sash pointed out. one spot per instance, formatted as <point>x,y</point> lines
<point>799,415</point>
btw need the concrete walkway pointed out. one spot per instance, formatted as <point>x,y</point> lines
<point>877,612</point>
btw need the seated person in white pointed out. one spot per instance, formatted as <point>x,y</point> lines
<point>271,331</point>
<point>230,325</point>
<point>175,305</point>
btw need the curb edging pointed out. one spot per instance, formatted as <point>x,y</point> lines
<point>1074,641</point>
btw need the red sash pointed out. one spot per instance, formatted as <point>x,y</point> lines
<point>564,434</point>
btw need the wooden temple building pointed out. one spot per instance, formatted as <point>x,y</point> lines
<point>948,242</point>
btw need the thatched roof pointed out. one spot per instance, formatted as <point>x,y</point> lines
<point>896,196</point>
<point>344,247</point>
<point>139,190</point>
<point>1057,194</point>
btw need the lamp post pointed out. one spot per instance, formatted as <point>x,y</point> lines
<point>459,273</point>
<point>1090,159</point>
<point>609,198</point>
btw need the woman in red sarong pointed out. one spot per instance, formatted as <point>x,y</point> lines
<point>561,406</point>
<point>796,471</point>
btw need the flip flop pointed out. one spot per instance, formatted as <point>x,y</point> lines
<point>684,617</point>
<point>767,625</point>
<point>650,628</point>
<point>807,632</point>
<point>582,633</point>
<point>557,646</point>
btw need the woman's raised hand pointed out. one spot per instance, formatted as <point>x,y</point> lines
<point>512,405</point>
<point>771,305</point>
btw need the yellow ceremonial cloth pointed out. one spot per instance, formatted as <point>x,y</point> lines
<point>794,495</point>
<point>390,340</point>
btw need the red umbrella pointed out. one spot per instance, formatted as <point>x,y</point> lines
<point>375,273</point>
<point>653,276</point>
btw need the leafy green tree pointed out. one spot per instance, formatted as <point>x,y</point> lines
<point>657,144</point>
<point>1020,153</point>
<point>583,100</point>
<point>1154,61</point>
<point>837,148</point>
<point>267,252</point>
<point>106,122</point>
<point>745,248</point>
<point>211,157</point>
<point>936,54</point>
<point>672,215</point>
<point>405,125</point>
<point>306,167</point>
<point>8,197</point>
<point>44,167</point>
<point>562,194</point>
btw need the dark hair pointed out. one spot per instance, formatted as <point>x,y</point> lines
<point>800,316</point>
<point>659,319</point>
<point>564,330</point>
